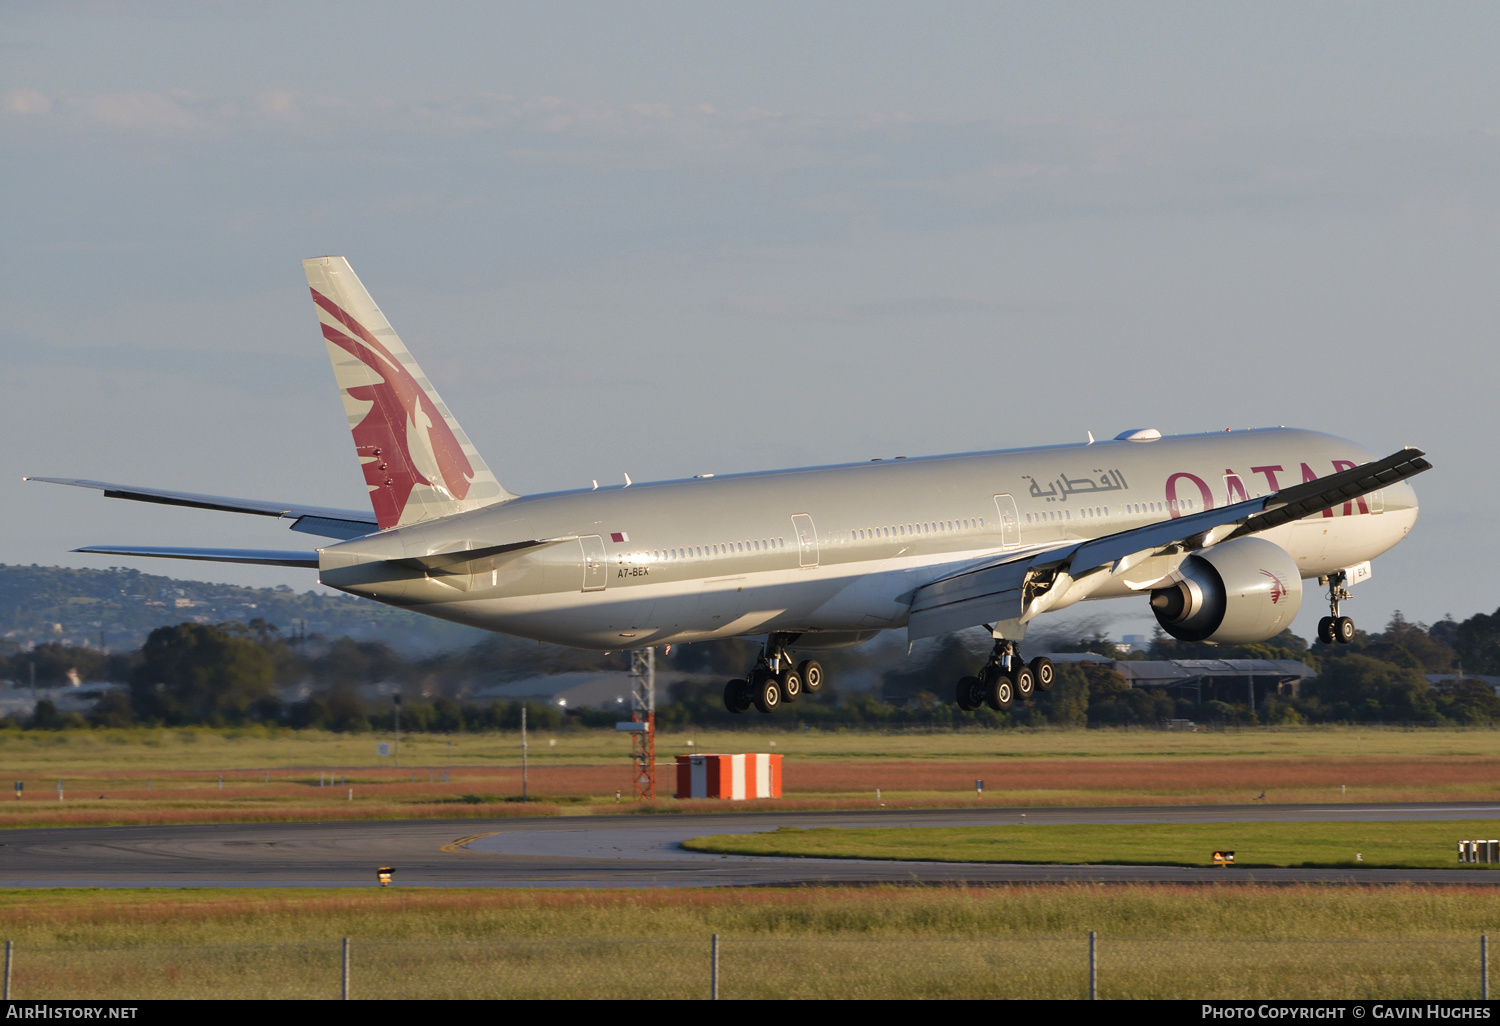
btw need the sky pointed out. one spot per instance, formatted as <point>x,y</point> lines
<point>674,238</point>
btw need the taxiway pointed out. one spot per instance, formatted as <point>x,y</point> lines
<point>630,851</point>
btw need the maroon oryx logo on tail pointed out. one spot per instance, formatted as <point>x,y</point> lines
<point>403,441</point>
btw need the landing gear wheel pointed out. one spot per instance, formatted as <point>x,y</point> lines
<point>1044,673</point>
<point>1001,690</point>
<point>969,694</point>
<point>766,693</point>
<point>811,672</point>
<point>790,683</point>
<point>1024,681</point>
<point>1336,629</point>
<point>737,696</point>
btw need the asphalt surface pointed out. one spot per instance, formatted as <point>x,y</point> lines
<point>631,851</point>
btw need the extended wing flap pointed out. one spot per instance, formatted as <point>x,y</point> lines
<point>954,603</point>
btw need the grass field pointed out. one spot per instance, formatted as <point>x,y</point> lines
<point>1226,940</point>
<point>165,776</point>
<point>1430,845</point>
<point>1223,941</point>
<point>46,753</point>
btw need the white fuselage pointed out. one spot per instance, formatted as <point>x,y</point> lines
<point>838,551</point>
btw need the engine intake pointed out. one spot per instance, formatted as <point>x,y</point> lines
<point>1239,592</point>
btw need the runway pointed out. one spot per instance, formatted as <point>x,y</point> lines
<point>632,851</point>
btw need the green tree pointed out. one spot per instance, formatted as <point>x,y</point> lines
<point>1067,704</point>
<point>935,674</point>
<point>195,673</point>
<point>1111,699</point>
<point>1470,702</point>
<point>1360,687</point>
<point>1408,644</point>
<point>1477,640</point>
<point>112,710</point>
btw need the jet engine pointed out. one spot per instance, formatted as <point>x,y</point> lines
<point>1239,592</point>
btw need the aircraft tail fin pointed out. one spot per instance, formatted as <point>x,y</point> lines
<point>418,463</point>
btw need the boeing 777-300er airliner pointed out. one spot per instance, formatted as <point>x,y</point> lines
<point>1217,531</point>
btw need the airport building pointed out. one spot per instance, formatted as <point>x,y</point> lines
<point>1204,680</point>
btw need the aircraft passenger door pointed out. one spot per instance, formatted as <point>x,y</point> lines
<point>807,540</point>
<point>594,560</point>
<point>1010,525</point>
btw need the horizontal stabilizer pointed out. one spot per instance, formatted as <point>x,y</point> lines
<point>323,521</point>
<point>259,557</point>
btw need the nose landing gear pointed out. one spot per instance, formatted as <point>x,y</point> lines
<point>773,680</point>
<point>1336,629</point>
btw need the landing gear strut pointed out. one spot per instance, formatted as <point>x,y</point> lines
<point>773,680</point>
<point>1004,678</point>
<point>1336,629</point>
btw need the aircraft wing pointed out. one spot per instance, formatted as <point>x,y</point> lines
<point>1012,588</point>
<point>322,521</point>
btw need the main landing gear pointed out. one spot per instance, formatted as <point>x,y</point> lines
<point>1004,678</point>
<point>1336,629</point>
<point>773,680</point>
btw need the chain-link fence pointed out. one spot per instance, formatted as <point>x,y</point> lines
<point>764,967</point>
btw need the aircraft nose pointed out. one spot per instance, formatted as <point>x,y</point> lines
<point>1405,497</point>
<point>1400,510</point>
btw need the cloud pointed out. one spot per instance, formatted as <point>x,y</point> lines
<point>25,102</point>
<point>186,114</point>
<point>175,113</point>
<point>1450,211</point>
<point>914,307</point>
<point>901,168</point>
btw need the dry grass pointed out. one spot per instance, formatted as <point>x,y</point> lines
<point>103,797</point>
<point>172,776</point>
<point>49,753</point>
<point>1427,845</point>
<point>133,918</point>
<point>1157,781</point>
<point>1223,941</point>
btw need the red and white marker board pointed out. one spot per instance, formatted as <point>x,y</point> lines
<point>735,777</point>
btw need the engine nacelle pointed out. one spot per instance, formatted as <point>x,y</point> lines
<point>1239,592</point>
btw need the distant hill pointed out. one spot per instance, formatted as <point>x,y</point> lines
<point>118,607</point>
